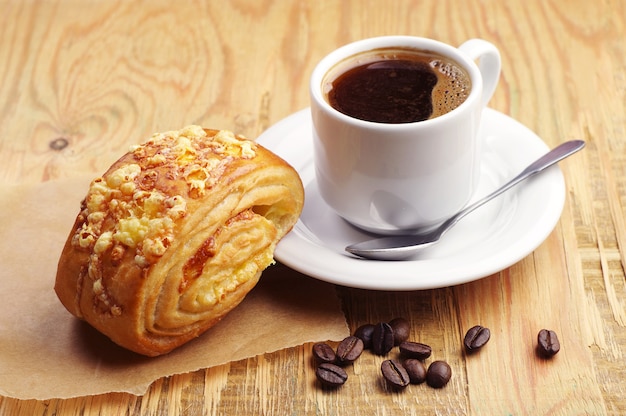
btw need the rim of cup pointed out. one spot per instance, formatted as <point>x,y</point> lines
<point>411,42</point>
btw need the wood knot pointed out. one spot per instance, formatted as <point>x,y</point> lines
<point>59,144</point>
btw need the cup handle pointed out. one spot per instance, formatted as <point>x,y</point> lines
<point>489,64</point>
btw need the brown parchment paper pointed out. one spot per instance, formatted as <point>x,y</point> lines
<point>47,353</point>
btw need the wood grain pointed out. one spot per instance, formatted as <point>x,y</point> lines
<point>102,75</point>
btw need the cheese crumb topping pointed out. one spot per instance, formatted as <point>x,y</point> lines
<point>128,209</point>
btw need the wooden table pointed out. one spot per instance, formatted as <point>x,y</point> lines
<point>81,80</point>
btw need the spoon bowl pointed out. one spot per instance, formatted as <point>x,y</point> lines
<point>403,246</point>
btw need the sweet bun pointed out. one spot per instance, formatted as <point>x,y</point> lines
<point>174,235</point>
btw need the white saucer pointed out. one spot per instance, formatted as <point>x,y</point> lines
<point>488,240</point>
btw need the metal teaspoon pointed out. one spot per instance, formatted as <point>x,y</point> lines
<point>402,246</point>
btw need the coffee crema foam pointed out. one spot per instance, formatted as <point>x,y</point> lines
<point>452,89</point>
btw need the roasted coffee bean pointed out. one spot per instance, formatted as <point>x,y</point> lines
<point>401,330</point>
<point>416,370</point>
<point>476,337</point>
<point>382,338</point>
<point>365,333</point>
<point>395,374</point>
<point>349,350</point>
<point>323,353</point>
<point>331,375</point>
<point>438,374</point>
<point>547,343</point>
<point>410,349</point>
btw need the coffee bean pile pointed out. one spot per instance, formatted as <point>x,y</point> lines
<point>410,368</point>
<point>380,339</point>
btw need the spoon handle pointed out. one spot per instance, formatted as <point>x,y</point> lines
<point>553,156</point>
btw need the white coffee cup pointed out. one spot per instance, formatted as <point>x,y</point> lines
<point>397,178</point>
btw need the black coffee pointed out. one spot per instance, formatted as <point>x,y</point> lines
<point>397,86</point>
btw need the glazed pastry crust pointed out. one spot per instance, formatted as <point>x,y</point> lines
<point>174,235</point>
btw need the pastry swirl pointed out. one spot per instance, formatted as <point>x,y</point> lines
<point>174,235</point>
